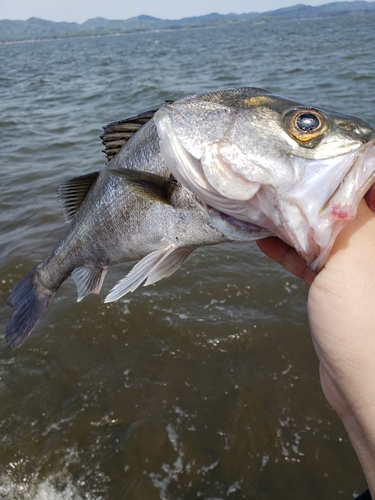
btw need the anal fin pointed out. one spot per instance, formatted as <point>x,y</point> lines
<point>88,280</point>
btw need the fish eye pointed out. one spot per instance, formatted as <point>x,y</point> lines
<point>305,124</point>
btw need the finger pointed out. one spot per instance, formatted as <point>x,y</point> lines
<point>370,198</point>
<point>285,255</point>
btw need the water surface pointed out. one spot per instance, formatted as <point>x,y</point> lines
<point>204,385</point>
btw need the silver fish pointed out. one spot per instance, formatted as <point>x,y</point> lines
<point>232,165</point>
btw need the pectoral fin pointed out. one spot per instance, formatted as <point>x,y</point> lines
<point>149,186</point>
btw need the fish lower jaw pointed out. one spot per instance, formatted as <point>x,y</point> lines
<point>357,182</point>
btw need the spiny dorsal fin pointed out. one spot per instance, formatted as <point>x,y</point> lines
<point>146,185</point>
<point>71,194</point>
<point>116,134</point>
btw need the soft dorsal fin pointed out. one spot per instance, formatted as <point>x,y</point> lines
<point>146,185</point>
<point>116,134</point>
<point>71,194</point>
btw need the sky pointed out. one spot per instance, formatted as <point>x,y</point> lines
<point>81,10</point>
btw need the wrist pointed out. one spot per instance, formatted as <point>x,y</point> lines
<point>357,413</point>
<point>361,437</point>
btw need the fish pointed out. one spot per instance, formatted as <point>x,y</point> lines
<point>235,164</point>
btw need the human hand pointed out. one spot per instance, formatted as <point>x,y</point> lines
<point>341,308</point>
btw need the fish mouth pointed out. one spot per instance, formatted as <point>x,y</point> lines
<point>307,209</point>
<point>342,205</point>
<point>326,199</point>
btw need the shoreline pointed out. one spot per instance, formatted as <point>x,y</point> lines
<point>250,21</point>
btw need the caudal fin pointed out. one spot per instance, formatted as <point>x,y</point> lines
<point>30,299</point>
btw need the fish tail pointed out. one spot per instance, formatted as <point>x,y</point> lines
<point>29,299</point>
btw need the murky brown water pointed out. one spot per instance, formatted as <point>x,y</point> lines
<point>204,385</point>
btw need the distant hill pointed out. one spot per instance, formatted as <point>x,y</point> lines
<point>333,9</point>
<point>39,29</point>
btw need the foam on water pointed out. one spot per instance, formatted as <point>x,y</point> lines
<point>46,490</point>
<point>57,486</point>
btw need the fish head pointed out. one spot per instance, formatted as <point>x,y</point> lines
<point>297,171</point>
